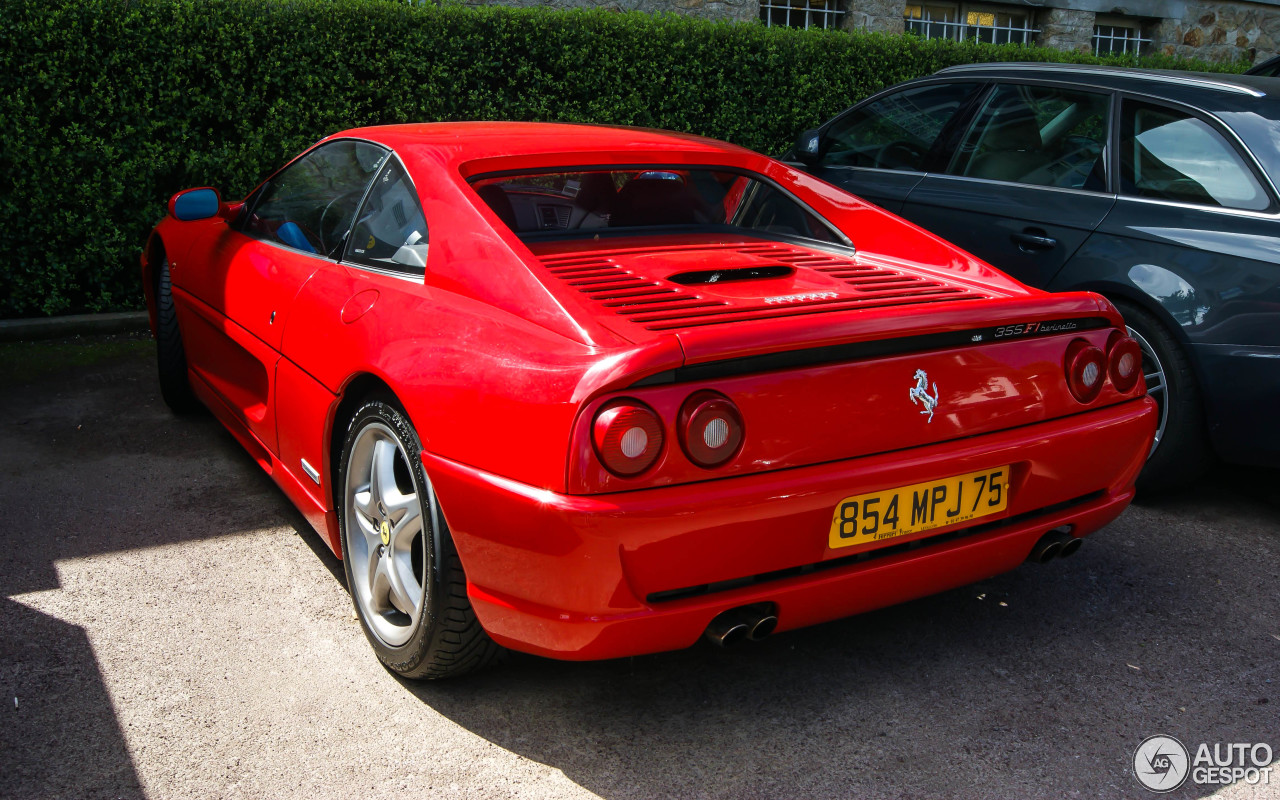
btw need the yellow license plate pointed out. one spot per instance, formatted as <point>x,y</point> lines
<point>867,518</point>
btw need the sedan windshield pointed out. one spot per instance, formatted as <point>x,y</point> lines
<point>650,199</point>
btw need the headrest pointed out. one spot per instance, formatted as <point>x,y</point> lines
<point>1013,128</point>
<point>498,202</point>
<point>657,202</point>
<point>597,192</point>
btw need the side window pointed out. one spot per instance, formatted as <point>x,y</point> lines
<point>760,207</point>
<point>1040,135</point>
<point>391,231</point>
<point>1171,155</point>
<point>310,204</point>
<point>896,131</point>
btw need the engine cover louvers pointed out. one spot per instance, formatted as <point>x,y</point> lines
<point>633,283</point>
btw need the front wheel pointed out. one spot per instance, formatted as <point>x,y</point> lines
<point>1180,452</point>
<point>402,570</point>
<point>171,356</point>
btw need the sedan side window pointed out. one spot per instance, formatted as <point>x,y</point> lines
<point>391,231</point>
<point>1170,155</point>
<point>1039,135</point>
<point>309,206</point>
<point>896,131</point>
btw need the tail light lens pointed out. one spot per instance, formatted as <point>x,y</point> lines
<point>710,429</point>
<point>1124,362</point>
<point>628,437</point>
<point>1086,369</point>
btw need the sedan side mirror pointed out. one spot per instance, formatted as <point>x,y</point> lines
<point>808,147</point>
<point>194,204</point>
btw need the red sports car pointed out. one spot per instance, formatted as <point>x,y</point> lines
<point>591,392</point>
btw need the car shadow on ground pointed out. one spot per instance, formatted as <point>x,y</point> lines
<point>91,462</point>
<point>1029,680</point>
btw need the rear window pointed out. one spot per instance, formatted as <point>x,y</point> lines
<point>650,199</point>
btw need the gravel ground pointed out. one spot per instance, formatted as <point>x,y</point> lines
<point>170,627</point>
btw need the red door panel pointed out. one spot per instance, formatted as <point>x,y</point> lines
<point>235,364</point>
<point>240,291</point>
<point>250,281</point>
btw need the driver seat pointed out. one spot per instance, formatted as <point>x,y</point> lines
<point>1010,149</point>
<point>290,233</point>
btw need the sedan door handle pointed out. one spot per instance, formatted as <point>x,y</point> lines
<point>1033,239</point>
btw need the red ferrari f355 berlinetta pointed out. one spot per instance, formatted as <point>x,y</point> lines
<point>591,392</point>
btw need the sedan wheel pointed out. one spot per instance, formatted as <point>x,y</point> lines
<point>1180,452</point>
<point>403,572</point>
<point>1157,385</point>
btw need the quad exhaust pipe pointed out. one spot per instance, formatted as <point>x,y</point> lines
<point>755,622</point>
<point>745,623</point>
<point>1057,543</point>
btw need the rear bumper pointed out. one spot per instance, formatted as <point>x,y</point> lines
<point>583,577</point>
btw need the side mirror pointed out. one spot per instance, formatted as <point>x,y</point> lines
<point>193,204</point>
<point>808,147</point>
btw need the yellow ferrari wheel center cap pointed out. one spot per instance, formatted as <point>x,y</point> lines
<point>385,530</point>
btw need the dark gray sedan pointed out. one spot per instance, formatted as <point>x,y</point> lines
<point>1156,189</point>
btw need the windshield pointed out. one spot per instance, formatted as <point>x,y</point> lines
<point>650,199</point>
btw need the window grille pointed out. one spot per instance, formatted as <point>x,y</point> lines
<point>801,13</point>
<point>985,24</point>
<point>1117,40</point>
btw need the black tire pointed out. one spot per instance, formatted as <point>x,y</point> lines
<point>171,358</point>
<point>1181,453</point>
<point>445,639</point>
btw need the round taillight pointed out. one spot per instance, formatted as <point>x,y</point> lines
<point>1086,366</point>
<point>628,437</point>
<point>710,429</point>
<point>1124,362</point>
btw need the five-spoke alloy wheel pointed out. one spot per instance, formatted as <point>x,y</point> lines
<point>404,575</point>
<point>385,540</point>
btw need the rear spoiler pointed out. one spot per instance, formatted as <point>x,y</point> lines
<point>718,351</point>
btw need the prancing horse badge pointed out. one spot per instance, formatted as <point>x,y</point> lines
<point>920,394</point>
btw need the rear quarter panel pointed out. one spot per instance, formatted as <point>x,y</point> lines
<point>482,386</point>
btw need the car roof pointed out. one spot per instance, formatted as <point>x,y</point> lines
<point>1212,90</point>
<point>467,141</point>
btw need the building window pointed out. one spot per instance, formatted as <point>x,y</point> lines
<point>1115,37</point>
<point>801,13</point>
<point>986,23</point>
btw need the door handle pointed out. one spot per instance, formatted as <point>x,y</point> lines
<point>1033,239</point>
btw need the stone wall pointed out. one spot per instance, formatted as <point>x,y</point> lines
<point>731,10</point>
<point>1223,32</point>
<point>1065,29</point>
<point>873,15</point>
<point>1213,31</point>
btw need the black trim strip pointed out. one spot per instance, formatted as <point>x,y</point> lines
<point>867,555</point>
<point>790,359</point>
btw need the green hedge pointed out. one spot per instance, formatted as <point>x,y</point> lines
<point>109,106</point>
